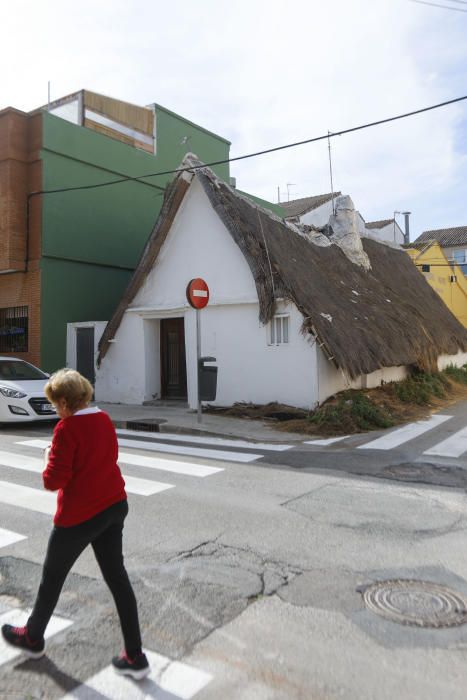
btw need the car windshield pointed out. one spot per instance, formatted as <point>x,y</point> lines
<point>12,370</point>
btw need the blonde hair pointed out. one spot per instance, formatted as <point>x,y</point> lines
<point>70,385</point>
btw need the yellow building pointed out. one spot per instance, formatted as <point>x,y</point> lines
<point>446,278</point>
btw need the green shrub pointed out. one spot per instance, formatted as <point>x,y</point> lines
<point>353,409</point>
<point>420,388</point>
<point>457,374</point>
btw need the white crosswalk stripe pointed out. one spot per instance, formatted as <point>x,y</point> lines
<point>206,440</point>
<point>26,497</point>
<point>326,441</point>
<point>192,451</point>
<point>453,446</point>
<point>171,449</point>
<point>141,487</point>
<point>402,435</point>
<point>168,680</point>
<point>165,465</point>
<point>18,618</point>
<point>7,537</point>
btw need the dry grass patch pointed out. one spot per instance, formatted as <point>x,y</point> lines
<point>355,411</point>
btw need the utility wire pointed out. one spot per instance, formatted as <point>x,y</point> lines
<point>443,7</point>
<point>257,153</point>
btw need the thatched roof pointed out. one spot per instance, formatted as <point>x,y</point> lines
<point>362,319</point>
<point>445,236</point>
<point>298,207</point>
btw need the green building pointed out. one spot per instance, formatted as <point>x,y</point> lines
<point>86,165</point>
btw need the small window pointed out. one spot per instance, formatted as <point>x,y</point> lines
<point>279,330</point>
<point>425,268</point>
<point>14,329</point>
<point>460,256</point>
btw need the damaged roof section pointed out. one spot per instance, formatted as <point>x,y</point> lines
<point>299,207</point>
<point>365,302</point>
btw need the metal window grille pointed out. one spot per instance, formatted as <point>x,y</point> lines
<point>14,329</point>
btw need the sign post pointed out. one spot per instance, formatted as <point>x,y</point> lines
<point>197,293</point>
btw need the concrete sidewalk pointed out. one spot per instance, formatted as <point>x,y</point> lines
<point>177,419</point>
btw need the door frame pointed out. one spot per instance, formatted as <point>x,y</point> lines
<point>162,356</point>
<point>71,336</point>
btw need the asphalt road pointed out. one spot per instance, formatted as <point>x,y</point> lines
<point>250,564</point>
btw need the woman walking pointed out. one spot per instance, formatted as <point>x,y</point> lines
<point>91,509</point>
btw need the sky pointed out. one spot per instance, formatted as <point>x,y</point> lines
<point>264,73</point>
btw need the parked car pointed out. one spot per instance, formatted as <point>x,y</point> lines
<point>22,395</point>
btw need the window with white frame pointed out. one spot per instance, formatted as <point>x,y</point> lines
<point>460,258</point>
<point>279,330</point>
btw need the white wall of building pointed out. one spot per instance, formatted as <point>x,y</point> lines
<point>319,216</point>
<point>457,360</point>
<point>387,233</point>
<point>250,368</point>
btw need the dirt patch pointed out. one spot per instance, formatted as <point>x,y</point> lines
<point>354,411</point>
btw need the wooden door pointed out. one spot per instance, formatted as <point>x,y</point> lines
<point>173,362</point>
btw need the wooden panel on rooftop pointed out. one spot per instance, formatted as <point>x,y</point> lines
<point>139,118</point>
<point>107,131</point>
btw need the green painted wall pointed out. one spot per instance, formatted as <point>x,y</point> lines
<point>275,208</point>
<point>74,292</point>
<point>92,239</point>
<point>172,130</point>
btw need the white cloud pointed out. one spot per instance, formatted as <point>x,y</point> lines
<point>267,73</point>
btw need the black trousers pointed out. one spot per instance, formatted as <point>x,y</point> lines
<point>104,533</point>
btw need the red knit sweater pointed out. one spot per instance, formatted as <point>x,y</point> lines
<point>82,466</point>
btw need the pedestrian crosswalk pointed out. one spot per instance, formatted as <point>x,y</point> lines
<point>18,618</point>
<point>408,432</point>
<point>150,456</point>
<point>167,679</point>
<point>414,436</point>
<point>453,446</point>
<point>7,537</point>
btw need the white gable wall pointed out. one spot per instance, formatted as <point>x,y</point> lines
<point>250,369</point>
<point>387,233</point>
<point>319,216</point>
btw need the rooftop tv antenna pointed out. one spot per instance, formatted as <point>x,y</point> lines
<point>330,173</point>
<point>289,184</point>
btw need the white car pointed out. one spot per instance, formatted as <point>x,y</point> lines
<point>22,395</point>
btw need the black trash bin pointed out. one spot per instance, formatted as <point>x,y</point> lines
<point>207,379</point>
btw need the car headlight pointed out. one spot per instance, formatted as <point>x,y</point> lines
<point>12,393</point>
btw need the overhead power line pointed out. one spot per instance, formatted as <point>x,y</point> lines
<point>328,135</point>
<point>443,7</point>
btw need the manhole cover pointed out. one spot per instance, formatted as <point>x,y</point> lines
<point>417,603</point>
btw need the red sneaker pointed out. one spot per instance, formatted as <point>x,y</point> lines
<point>18,637</point>
<point>137,668</point>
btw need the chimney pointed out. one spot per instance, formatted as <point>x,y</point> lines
<point>407,229</point>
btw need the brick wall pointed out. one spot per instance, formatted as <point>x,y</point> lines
<point>20,240</point>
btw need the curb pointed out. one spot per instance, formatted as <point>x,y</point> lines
<point>161,426</point>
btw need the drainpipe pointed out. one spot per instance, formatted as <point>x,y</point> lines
<point>407,229</point>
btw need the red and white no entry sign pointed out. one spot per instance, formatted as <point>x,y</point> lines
<point>197,293</point>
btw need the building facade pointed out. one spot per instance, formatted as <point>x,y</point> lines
<point>293,316</point>
<point>445,277</point>
<point>70,239</point>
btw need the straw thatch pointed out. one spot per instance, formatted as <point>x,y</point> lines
<point>363,319</point>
